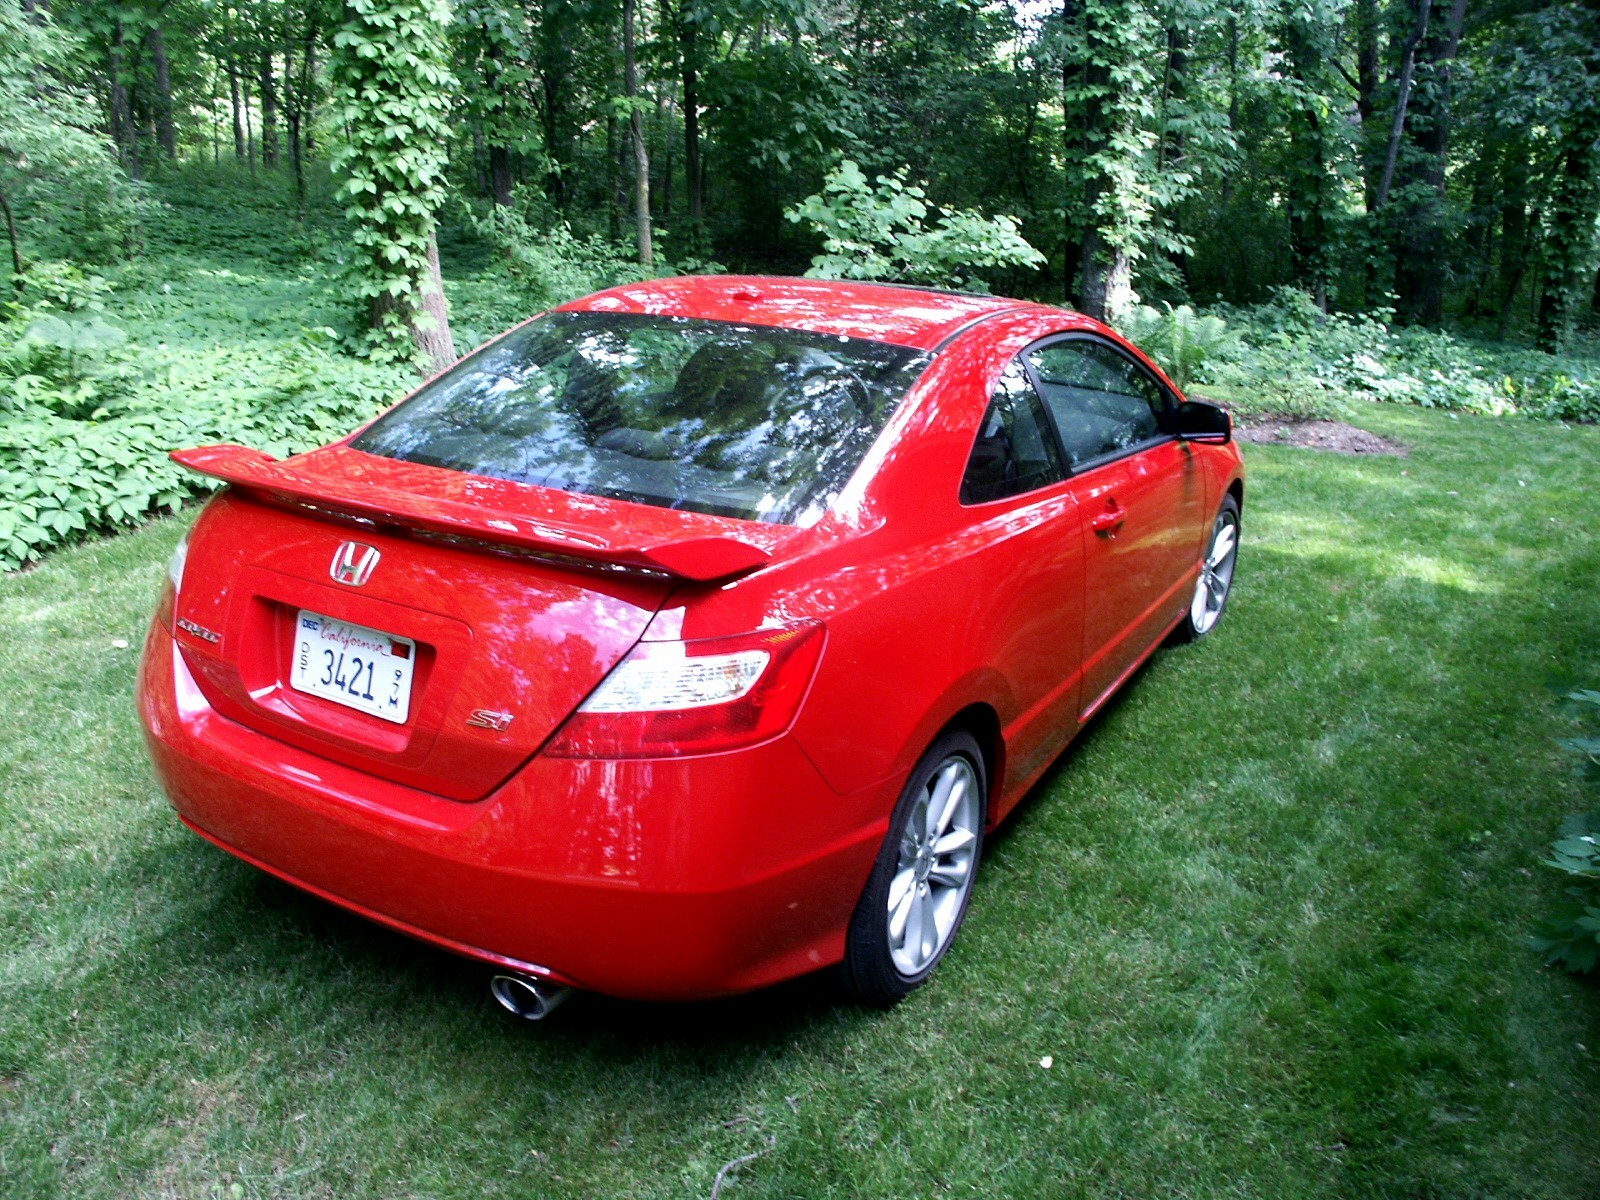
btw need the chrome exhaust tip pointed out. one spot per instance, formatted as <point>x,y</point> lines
<point>528,996</point>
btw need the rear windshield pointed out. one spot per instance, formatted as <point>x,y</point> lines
<point>737,420</point>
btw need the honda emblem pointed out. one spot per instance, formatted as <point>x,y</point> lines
<point>353,563</point>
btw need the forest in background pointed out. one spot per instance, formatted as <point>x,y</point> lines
<point>226,221</point>
<point>1422,156</point>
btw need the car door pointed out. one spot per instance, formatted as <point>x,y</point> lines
<point>1028,551</point>
<point>1141,494</point>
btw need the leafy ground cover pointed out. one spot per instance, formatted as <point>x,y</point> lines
<point>235,324</point>
<point>1262,932</point>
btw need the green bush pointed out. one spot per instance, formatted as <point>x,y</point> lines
<point>87,417</point>
<point>881,231</point>
<point>1570,936</point>
<point>552,265</point>
<point>1289,356</point>
<point>1180,339</point>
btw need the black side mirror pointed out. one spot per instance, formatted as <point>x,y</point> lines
<point>1198,421</point>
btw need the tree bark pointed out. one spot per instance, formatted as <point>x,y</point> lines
<point>1569,244</point>
<point>433,336</point>
<point>1367,92</point>
<point>500,179</point>
<point>616,195</point>
<point>1175,87</point>
<point>166,131</point>
<point>641,153</point>
<point>428,320</point>
<point>1107,289</point>
<point>1308,197</point>
<point>694,179</point>
<point>233,88</point>
<point>16,247</point>
<point>1408,59</point>
<point>1233,102</point>
<point>123,133</point>
<point>269,113</point>
<point>249,125</point>
<point>1420,251</point>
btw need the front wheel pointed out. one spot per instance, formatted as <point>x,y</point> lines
<point>1216,575</point>
<point>917,894</point>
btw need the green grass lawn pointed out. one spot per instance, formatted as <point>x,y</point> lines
<point>1267,921</point>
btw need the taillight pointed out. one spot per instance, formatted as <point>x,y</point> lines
<point>166,603</point>
<point>673,698</point>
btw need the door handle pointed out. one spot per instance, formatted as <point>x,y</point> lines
<point>1106,524</point>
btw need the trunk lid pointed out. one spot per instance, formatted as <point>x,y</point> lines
<point>508,604</point>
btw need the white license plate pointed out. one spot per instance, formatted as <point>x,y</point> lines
<point>364,669</point>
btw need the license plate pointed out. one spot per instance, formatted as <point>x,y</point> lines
<point>364,669</point>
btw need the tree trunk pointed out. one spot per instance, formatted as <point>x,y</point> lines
<point>1078,131</point>
<point>249,125</point>
<point>500,175</point>
<point>662,165</point>
<point>1175,87</point>
<point>123,133</point>
<point>429,320</point>
<point>269,113</point>
<point>1569,244</point>
<point>1366,23</point>
<point>1420,257</point>
<point>433,336</point>
<point>1308,198</point>
<point>1107,289</point>
<point>16,248</point>
<point>238,118</point>
<point>1233,103</point>
<point>1408,59</point>
<point>694,180</point>
<point>616,196</point>
<point>166,131</point>
<point>641,153</point>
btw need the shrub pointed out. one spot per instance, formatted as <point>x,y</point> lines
<point>88,418</point>
<point>1180,339</point>
<point>552,265</point>
<point>1354,357</point>
<point>881,232</point>
<point>1570,936</point>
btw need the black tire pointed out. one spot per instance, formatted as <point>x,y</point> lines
<point>1190,629</point>
<point>870,973</point>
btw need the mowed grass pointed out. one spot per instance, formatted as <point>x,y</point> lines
<point>1267,921</point>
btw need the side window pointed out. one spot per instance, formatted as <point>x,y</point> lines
<point>1103,403</point>
<point>1015,451</point>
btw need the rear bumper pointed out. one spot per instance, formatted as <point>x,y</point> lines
<point>651,879</point>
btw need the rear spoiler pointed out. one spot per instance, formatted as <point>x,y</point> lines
<point>693,557</point>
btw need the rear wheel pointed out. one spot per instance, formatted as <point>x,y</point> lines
<point>917,894</point>
<point>1216,575</point>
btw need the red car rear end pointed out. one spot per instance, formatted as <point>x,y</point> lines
<point>629,705</point>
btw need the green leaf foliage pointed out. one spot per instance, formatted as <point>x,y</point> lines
<point>1570,936</point>
<point>392,91</point>
<point>887,230</point>
<point>57,170</point>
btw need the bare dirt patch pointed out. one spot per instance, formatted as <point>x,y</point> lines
<point>1315,435</point>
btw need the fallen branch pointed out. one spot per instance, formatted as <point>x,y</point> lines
<point>716,1186</point>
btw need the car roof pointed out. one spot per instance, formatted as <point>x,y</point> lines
<point>921,318</point>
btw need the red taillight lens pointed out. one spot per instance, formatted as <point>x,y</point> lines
<point>672,698</point>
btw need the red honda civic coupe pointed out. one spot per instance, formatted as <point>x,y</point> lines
<point>688,637</point>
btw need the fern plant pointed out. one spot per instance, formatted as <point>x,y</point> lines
<point>1180,339</point>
